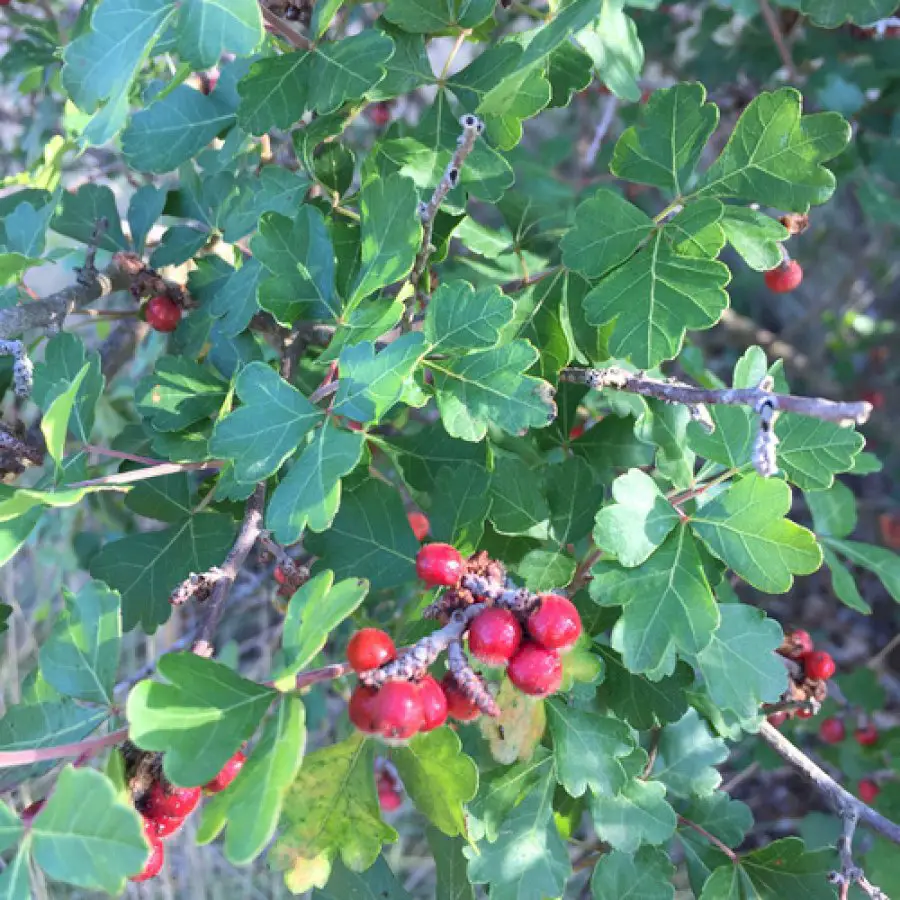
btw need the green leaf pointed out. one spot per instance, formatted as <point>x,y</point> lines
<point>687,755</point>
<point>654,298</point>
<point>26,228</point>
<point>774,155</point>
<point>86,835</point>
<point>14,265</point>
<point>450,867</point>
<point>313,613</point>
<point>884,564</point>
<point>377,883</point>
<point>811,451</point>
<point>15,878</point>
<point>269,426</point>
<point>23,500</point>
<point>346,69</point>
<point>81,656</point>
<point>637,522</point>
<point>144,209</point>
<point>833,510</point>
<point>573,498</point>
<point>55,423</point>
<point>518,504</point>
<point>695,230</point>
<point>663,149</point>
<point>331,810</point>
<point>459,318</point>
<point>438,777</point>
<point>199,719</point>
<point>310,494</point>
<point>545,570</point>
<point>209,28</point>
<point>275,93</point>
<point>144,568</point>
<point>179,393</point>
<point>833,13</point>
<point>647,875</point>
<point>460,503</point>
<point>607,230</point>
<point>615,49</point>
<point>740,666</point>
<point>432,16</point>
<point>667,606</point>
<point>843,584</point>
<point>639,814</point>
<point>755,236</point>
<point>745,528</point>
<point>10,828</point>
<point>274,190</point>
<point>82,209</point>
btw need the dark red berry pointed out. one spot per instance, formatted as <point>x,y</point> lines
<point>163,313</point>
<point>535,670</point>
<point>31,811</point>
<point>777,719</point>
<point>555,624</point>
<point>866,736</point>
<point>434,704</point>
<point>279,575</point>
<point>818,665</point>
<point>228,773</point>
<point>832,731</point>
<point>494,636</point>
<point>177,803</point>
<point>419,524</point>
<point>800,643</point>
<point>868,790</point>
<point>459,706</point>
<point>370,648</point>
<point>400,713</point>
<point>208,81</point>
<point>165,825</point>
<point>363,709</point>
<point>784,278</point>
<point>389,799</point>
<point>157,855</point>
<point>576,432</point>
<point>439,564</point>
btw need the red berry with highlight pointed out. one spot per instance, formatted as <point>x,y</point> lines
<point>832,731</point>
<point>419,524</point>
<point>228,773</point>
<point>818,665</point>
<point>801,643</point>
<point>777,719</point>
<point>494,636</point>
<point>866,736</point>
<point>459,706</point>
<point>163,313</point>
<point>369,649</point>
<point>784,278</point>
<point>389,799</point>
<point>535,670</point>
<point>439,564</point>
<point>555,624</point>
<point>177,803</point>
<point>434,704</point>
<point>576,432</point>
<point>868,790</point>
<point>363,709</point>
<point>400,713</point>
<point>165,825</point>
<point>157,855</point>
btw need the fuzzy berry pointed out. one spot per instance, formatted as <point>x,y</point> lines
<point>535,670</point>
<point>866,736</point>
<point>419,524</point>
<point>777,719</point>
<point>439,564</point>
<point>227,774</point>
<point>369,649</point>
<point>800,643</point>
<point>555,624</point>
<point>459,706</point>
<point>434,704</point>
<point>818,665</point>
<point>494,636</point>
<point>832,731</point>
<point>868,790</point>
<point>156,858</point>
<point>31,811</point>
<point>163,313</point>
<point>363,709</point>
<point>177,803</point>
<point>400,713</point>
<point>163,826</point>
<point>784,278</point>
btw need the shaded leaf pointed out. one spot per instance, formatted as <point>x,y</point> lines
<point>647,875</point>
<point>638,814</point>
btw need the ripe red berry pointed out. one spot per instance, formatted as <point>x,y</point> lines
<point>459,706</point>
<point>380,113</point>
<point>228,773</point>
<point>818,665</point>
<point>279,575</point>
<point>389,799</point>
<point>866,736</point>
<point>363,709</point>
<point>163,313</point>
<point>163,826</point>
<point>177,803</point>
<point>784,278</point>
<point>535,670</point>
<point>576,432</point>
<point>31,811</point>
<point>399,708</point>
<point>439,564</point>
<point>777,719</point>
<point>157,855</point>
<point>832,731</point>
<point>555,624</point>
<point>434,704</point>
<point>868,790</point>
<point>419,524</point>
<point>370,648</point>
<point>800,642</point>
<point>494,636</point>
<point>804,713</point>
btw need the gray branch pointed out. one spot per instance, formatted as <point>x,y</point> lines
<point>850,873</point>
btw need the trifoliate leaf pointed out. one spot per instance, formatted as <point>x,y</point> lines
<point>833,13</point>
<point>208,28</point>
<point>179,393</point>
<point>647,875</point>
<point>811,451</point>
<point>695,230</point>
<point>638,814</point>
<point>460,504</point>
<point>459,318</point>
<point>687,755</point>
<point>432,16</point>
<point>616,50</point>
<point>755,236</point>
<point>884,564</point>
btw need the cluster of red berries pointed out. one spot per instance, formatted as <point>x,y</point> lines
<point>785,277</point>
<point>162,313</point>
<point>833,731</point>
<point>817,667</point>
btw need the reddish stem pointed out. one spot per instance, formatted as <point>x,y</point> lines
<point>711,838</point>
<point>12,758</point>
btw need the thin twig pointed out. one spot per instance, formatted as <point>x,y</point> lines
<point>772,23</point>
<point>119,454</point>
<point>288,33</point>
<point>12,758</point>
<point>149,472</point>
<point>711,838</point>
<point>850,873</point>
<point>606,119</point>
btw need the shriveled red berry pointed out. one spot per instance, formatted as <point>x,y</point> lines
<point>459,706</point>
<point>163,313</point>
<point>777,719</point>
<point>535,670</point>
<point>370,648</point>
<point>31,811</point>
<point>399,708</point>
<point>494,636</point>
<point>157,855</point>
<point>439,564</point>
<point>165,825</point>
<point>800,643</point>
<point>818,665</point>
<point>177,802</point>
<point>434,704</point>
<point>866,736</point>
<point>419,524</point>
<point>868,790</point>
<point>363,709</point>
<point>555,624</point>
<point>832,730</point>
<point>227,774</point>
<point>784,278</point>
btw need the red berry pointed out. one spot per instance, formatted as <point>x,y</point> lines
<point>177,803</point>
<point>784,278</point>
<point>279,575</point>
<point>866,736</point>
<point>494,636</point>
<point>163,826</point>
<point>389,799</point>
<point>535,670</point>
<point>434,704</point>
<point>163,313</point>
<point>439,564</point>
<point>868,790</point>
<point>31,811</point>
<point>419,524</point>
<point>380,113</point>
<point>777,719</point>
<point>157,854</point>
<point>459,706</point>
<point>369,649</point>
<point>363,709</point>
<point>801,643</point>
<point>818,665</point>
<point>228,773</point>
<point>832,731</point>
<point>576,432</point>
<point>208,81</point>
<point>400,713</point>
<point>555,624</point>
<point>804,713</point>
